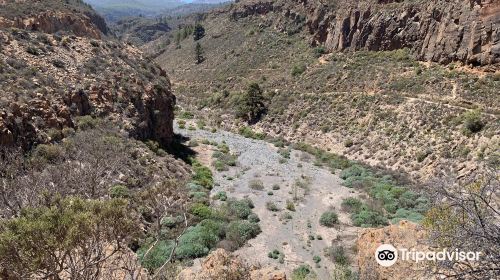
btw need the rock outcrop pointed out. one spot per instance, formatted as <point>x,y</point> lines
<point>47,81</point>
<point>222,265</point>
<point>406,235</point>
<point>466,31</point>
<point>52,16</point>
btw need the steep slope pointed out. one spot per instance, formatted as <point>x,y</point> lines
<point>47,79</point>
<point>379,105</point>
<point>52,16</point>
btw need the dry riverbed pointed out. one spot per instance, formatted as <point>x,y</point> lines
<point>313,190</point>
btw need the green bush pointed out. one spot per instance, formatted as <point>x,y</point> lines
<point>203,175</point>
<point>328,219</point>
<point>274,254</point>
<point>253,218</point>
<point>201,210</point>
<point>241,231</point>
<point>247,132</point>
<point>316,259</point>
<point>239,208</point>
<point>197,241</point>
<point>303,272</point>
<point>369,218</point>
<point>222,196</point>
<point>352,204</point>
<point>298,69</point>
<point>157,256</point>
<point>405,214</point>
<point>472,122</point>
<point>119,191</point>
<point>319,51</point>
<point>86,122</point>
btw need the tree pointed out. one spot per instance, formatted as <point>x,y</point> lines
<point>199,32</point>
<point>251,106</point>
<point>198,52</point>
<point>70,237</point>
<point>466,217</point>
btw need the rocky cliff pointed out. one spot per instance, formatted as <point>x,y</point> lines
<point>47,80</point>
<point>467,31</point>
<point>53,16</point>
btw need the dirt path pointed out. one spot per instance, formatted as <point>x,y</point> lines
<point>259,160</point>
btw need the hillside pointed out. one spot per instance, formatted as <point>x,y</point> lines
<point>265,140</point>
<point>331,81</point>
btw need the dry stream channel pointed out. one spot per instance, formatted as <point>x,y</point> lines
<point>313,189</point>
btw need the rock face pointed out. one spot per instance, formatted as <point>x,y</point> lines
<point>403,235</point>
<point>466,31</point>
<point>51,17</point>
<point>222,265</point>
<point>47,81</point>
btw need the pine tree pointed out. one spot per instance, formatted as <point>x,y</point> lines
<point>199,32</point>
<point>199,53</point>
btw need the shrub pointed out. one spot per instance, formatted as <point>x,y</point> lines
<point>197,241</point>
<point>405,214</point>
<point>241,231</point>
<point>49,153</point>
<point>220,166</point>
<point>86,122</point>
<point>271,206</point>
<point>302,272</point>
<point>222,196</point>
<point>247,132</point>
<point>33,50</point>
<point>274,254</point>
<point>298,69</point>
<point>157,256</point>
<point>119,191</point>
<point>337,255</point>
<point>290,205</point>
<point>286,216</point>
<point>472,122</point>
<point>201,210</point>
<point>369,218</point>
<point>239,208</point>
<point>276,187</point>
<point>203,176</point>
<point>256,184</point>
<point>253,218</point>
<point>316,259</point>
<point>319,51</point>
<point>352,204</point>
<point>343,272</point>
<point>58,63</point>
<point>328,219</point>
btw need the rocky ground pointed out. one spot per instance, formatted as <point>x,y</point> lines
<point>320,191</point>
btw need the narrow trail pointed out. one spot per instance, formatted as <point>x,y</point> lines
<point>259,160</point>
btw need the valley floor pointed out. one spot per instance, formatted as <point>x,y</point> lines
<point>296,234</point>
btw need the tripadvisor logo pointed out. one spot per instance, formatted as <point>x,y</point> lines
<point>387,255</point>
